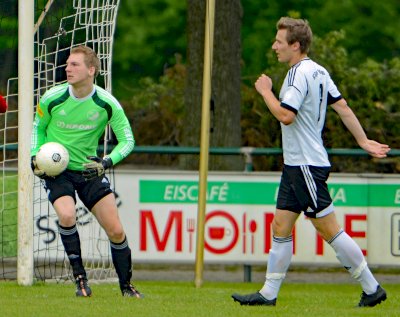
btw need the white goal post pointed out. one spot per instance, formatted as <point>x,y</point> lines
<point>25,109</point>
<point>40,63</point>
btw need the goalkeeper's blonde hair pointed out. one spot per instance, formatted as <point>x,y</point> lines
<point>91,59</point>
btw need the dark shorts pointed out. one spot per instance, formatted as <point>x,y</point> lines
<point>304,189</point>
<point>69,182</point>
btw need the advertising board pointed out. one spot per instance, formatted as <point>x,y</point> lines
<point>159,212</point>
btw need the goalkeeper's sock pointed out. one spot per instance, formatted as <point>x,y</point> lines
<point>121,257</point>
<point>72,246</point>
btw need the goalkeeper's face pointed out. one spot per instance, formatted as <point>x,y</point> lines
<point>78,73</point>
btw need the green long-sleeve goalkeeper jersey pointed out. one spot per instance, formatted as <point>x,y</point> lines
<point>78,124</point>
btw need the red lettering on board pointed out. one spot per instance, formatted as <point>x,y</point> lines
<point>348,227</point>
<point>268,218</point>
<point>147,221</point>
<point>320,245</point>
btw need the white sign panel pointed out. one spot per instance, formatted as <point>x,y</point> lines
<point>159,212</point>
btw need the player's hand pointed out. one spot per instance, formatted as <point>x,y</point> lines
<point>35,169</point>
<point>376,149</point>
<point>263,84</point>
<point>97,167</point>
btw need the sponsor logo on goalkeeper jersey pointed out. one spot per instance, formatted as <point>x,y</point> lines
<point>75,126</point>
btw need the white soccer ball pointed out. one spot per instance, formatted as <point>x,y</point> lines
<point>52,158</point>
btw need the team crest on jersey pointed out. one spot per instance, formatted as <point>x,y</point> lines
<point>93,115</point>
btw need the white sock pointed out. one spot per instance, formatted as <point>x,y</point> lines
<point>279,259</point>
<point>350,256</point>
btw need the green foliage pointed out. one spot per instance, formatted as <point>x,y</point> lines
<point>362,56</point>
<point>156,112</point>
<point>158,107</point>
<point>148,35</point>
<point>371,89</point>
<point>374,91</point>
<point>371,26</point>
<point>259,28</point>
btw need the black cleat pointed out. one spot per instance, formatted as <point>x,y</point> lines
<point>373,299</point>
<point>82,287</point>
<point>130,291</point>
<point>255,299</point>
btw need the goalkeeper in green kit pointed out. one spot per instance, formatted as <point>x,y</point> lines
<point>76,114</point>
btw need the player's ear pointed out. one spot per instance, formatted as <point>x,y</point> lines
<point>296,46</point>
<point>92,70</point>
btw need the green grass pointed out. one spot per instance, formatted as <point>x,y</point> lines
<point>8,214</point>
<point>183,299</point>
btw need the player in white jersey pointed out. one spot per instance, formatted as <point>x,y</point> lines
<point>304,97</point>
<point>305,93</point>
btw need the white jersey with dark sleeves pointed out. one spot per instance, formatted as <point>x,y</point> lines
<point>307,90</point>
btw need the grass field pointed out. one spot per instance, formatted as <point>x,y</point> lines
<point>8,214</point>
<point>183,299</point>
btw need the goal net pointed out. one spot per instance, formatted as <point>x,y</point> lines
<point>59,26</point>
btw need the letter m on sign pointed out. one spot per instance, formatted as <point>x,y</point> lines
<point>147,223</point>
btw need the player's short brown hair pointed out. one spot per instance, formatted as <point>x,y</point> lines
<point>90,59</point>
<point>298,30</point>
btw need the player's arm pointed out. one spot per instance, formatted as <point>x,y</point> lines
<point>38,136</point>
<point>122,129</point>
<point>351,122</point>
<point>264,88</point>
<point>42,118</point>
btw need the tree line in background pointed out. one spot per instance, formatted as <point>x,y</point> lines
<point>150,33</point>
<point>157,65</point>
<point>371,88</point>
<point>355,40</point>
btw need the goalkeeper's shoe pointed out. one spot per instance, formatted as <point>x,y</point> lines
<point>254,299</point>
<point>82,287</point>
<point>372,299</point>
<point>129,290</point>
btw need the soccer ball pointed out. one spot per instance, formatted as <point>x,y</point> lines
<point>52,158</point>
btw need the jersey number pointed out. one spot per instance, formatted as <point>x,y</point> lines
<point>321,93</point>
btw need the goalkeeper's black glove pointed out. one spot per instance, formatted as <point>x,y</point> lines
<point>97,167</point>
<point>36,170</point>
